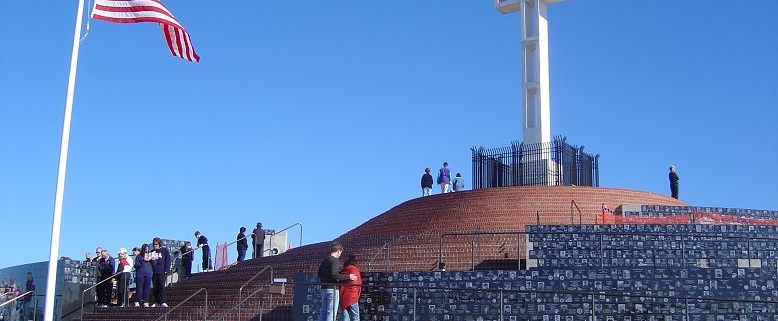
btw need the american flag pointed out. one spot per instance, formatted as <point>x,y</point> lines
<point>134,11</point>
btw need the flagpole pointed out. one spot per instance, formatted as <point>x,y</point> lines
<point>51,281</point>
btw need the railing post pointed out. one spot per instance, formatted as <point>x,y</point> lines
<point>594,316</point>
<point>602,254</point>
<point>414,304</point>
<point>683,251</point>
<point>502,306</point>
<point>472,253</point>
<point>518,251</point>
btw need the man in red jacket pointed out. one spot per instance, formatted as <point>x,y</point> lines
<point>350,291</point>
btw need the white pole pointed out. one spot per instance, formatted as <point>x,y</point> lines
<point>51,281</point>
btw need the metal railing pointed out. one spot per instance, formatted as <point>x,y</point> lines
<point>514,297</point>
<point>210,258</point>
<point>16,298</point>
<point>92,287</point>
<point>290,226</point>
<point>240,291</point>
<point>241,299</point>
<point>526,164</point>
<point>375,256</point>
<point>205,307</point>
<point>572,218</point>
<point>682,238</point>
<point>34,307</point>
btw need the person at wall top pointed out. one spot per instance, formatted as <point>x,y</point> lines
<point>426,183</point>
<point>444,178</point>
<point>187,256</point>
<point>242,244</point>
<point>258,241</point>
<point>202,242</point>
<point>673,182</point>
<point>458,183</point>
<point>329,276</point>
<point>350,291</point>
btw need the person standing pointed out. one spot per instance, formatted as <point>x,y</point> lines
<point>444,178</point>
<point>350,291</point>
<point>187,256</point>
<point>26,302</point>
<point>426,183</point>
<point>329,275</point>
<point>143,274</point>
<point>243,244</point>
<point>160,266</point>
<point>105,268</point>
<point>458,184</point>
<point>673,182</point>
<point>202,242</point>
<point>123,280</point>
<point>258,241</point>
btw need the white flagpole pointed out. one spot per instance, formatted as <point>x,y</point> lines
<point>51,281</point>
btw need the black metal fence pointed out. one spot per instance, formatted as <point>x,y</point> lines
<point>552,163</point>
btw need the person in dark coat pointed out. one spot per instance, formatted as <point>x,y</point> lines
<point>143,274</point>
<point>426,183</point>
<point>242,244</point>
<point>202,242</point>
<point>187,256</point>
<point>160,265</point>
<point>329,276</point>
<point>26,302</point>
<point>105,268</point>
<point>673,182</point>
<point>258,241</point>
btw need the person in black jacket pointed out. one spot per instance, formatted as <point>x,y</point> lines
<point>426,183</point>
<point>160,265</point>
<point>329,275</point>
<point>105,268</point>
<point>202,242</point>
<point>26,305</point>
<point>243,244</point>
<point>187,256</point>
<point>673,182</point>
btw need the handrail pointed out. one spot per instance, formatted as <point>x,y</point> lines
<point>199,248</point>
<point>92,287</point>
<point>290,226</point>
<point>236,241</point>
<point>369,269</point>
<point>240,291</point>
<point>572,218</point>
<point>16,298</point>
<point>205,314</point>
<point>224,315</point>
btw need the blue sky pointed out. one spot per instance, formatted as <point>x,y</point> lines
<point>326,113</point>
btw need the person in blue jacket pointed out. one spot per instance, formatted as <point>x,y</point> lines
<point>143,273</point>
<point>160,264</point>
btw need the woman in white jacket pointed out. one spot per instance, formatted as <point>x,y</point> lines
<point>123,264</point>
